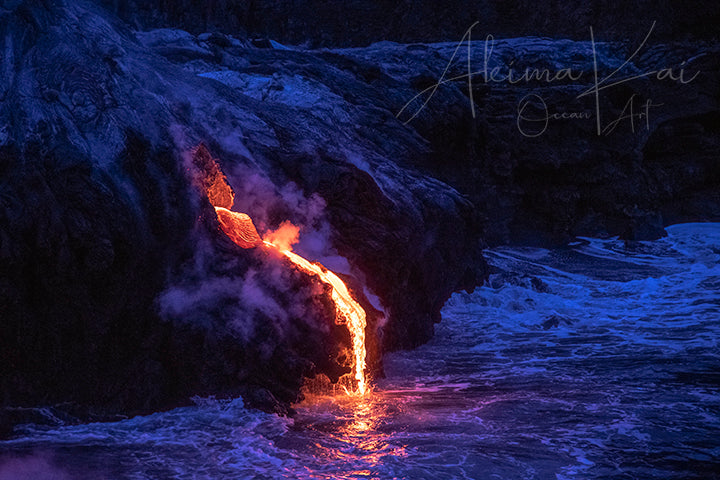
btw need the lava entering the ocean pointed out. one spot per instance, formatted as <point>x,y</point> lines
<point>240,229</point>
<point>348,311</point>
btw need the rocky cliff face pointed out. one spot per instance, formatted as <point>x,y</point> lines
<point>122,295</point>
<point>542,180</point>
<point>536,162</point>
<point>119,292</point>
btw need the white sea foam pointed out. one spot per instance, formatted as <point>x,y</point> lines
<point>598,360</point>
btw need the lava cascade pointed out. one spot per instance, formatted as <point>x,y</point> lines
<point>240,229</point>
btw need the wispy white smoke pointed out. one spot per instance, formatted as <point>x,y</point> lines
<point>257,296</point>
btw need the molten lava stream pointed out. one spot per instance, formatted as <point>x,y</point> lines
<point>346,307</point>
<point>240,229</point>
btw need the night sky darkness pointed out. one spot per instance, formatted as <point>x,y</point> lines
<point>513,207</point>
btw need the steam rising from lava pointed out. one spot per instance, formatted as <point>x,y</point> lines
<point>240,229</point>
<point>284,237</point>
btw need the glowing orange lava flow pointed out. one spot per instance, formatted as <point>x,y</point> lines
<point>240,229</point>
<point>346,307</point>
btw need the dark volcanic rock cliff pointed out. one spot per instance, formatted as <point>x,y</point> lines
<point>119,293</point>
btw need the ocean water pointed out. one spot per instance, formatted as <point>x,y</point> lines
<point>599,360</point>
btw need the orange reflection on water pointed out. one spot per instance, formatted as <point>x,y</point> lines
<point>352,434</point>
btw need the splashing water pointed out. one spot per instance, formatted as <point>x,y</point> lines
<point>595,361</point>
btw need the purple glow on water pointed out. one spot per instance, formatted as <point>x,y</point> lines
<point>598,360</point>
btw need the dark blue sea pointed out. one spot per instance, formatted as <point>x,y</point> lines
<point>599,360</point>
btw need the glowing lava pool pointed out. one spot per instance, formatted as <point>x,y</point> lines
<point>595,361</point>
